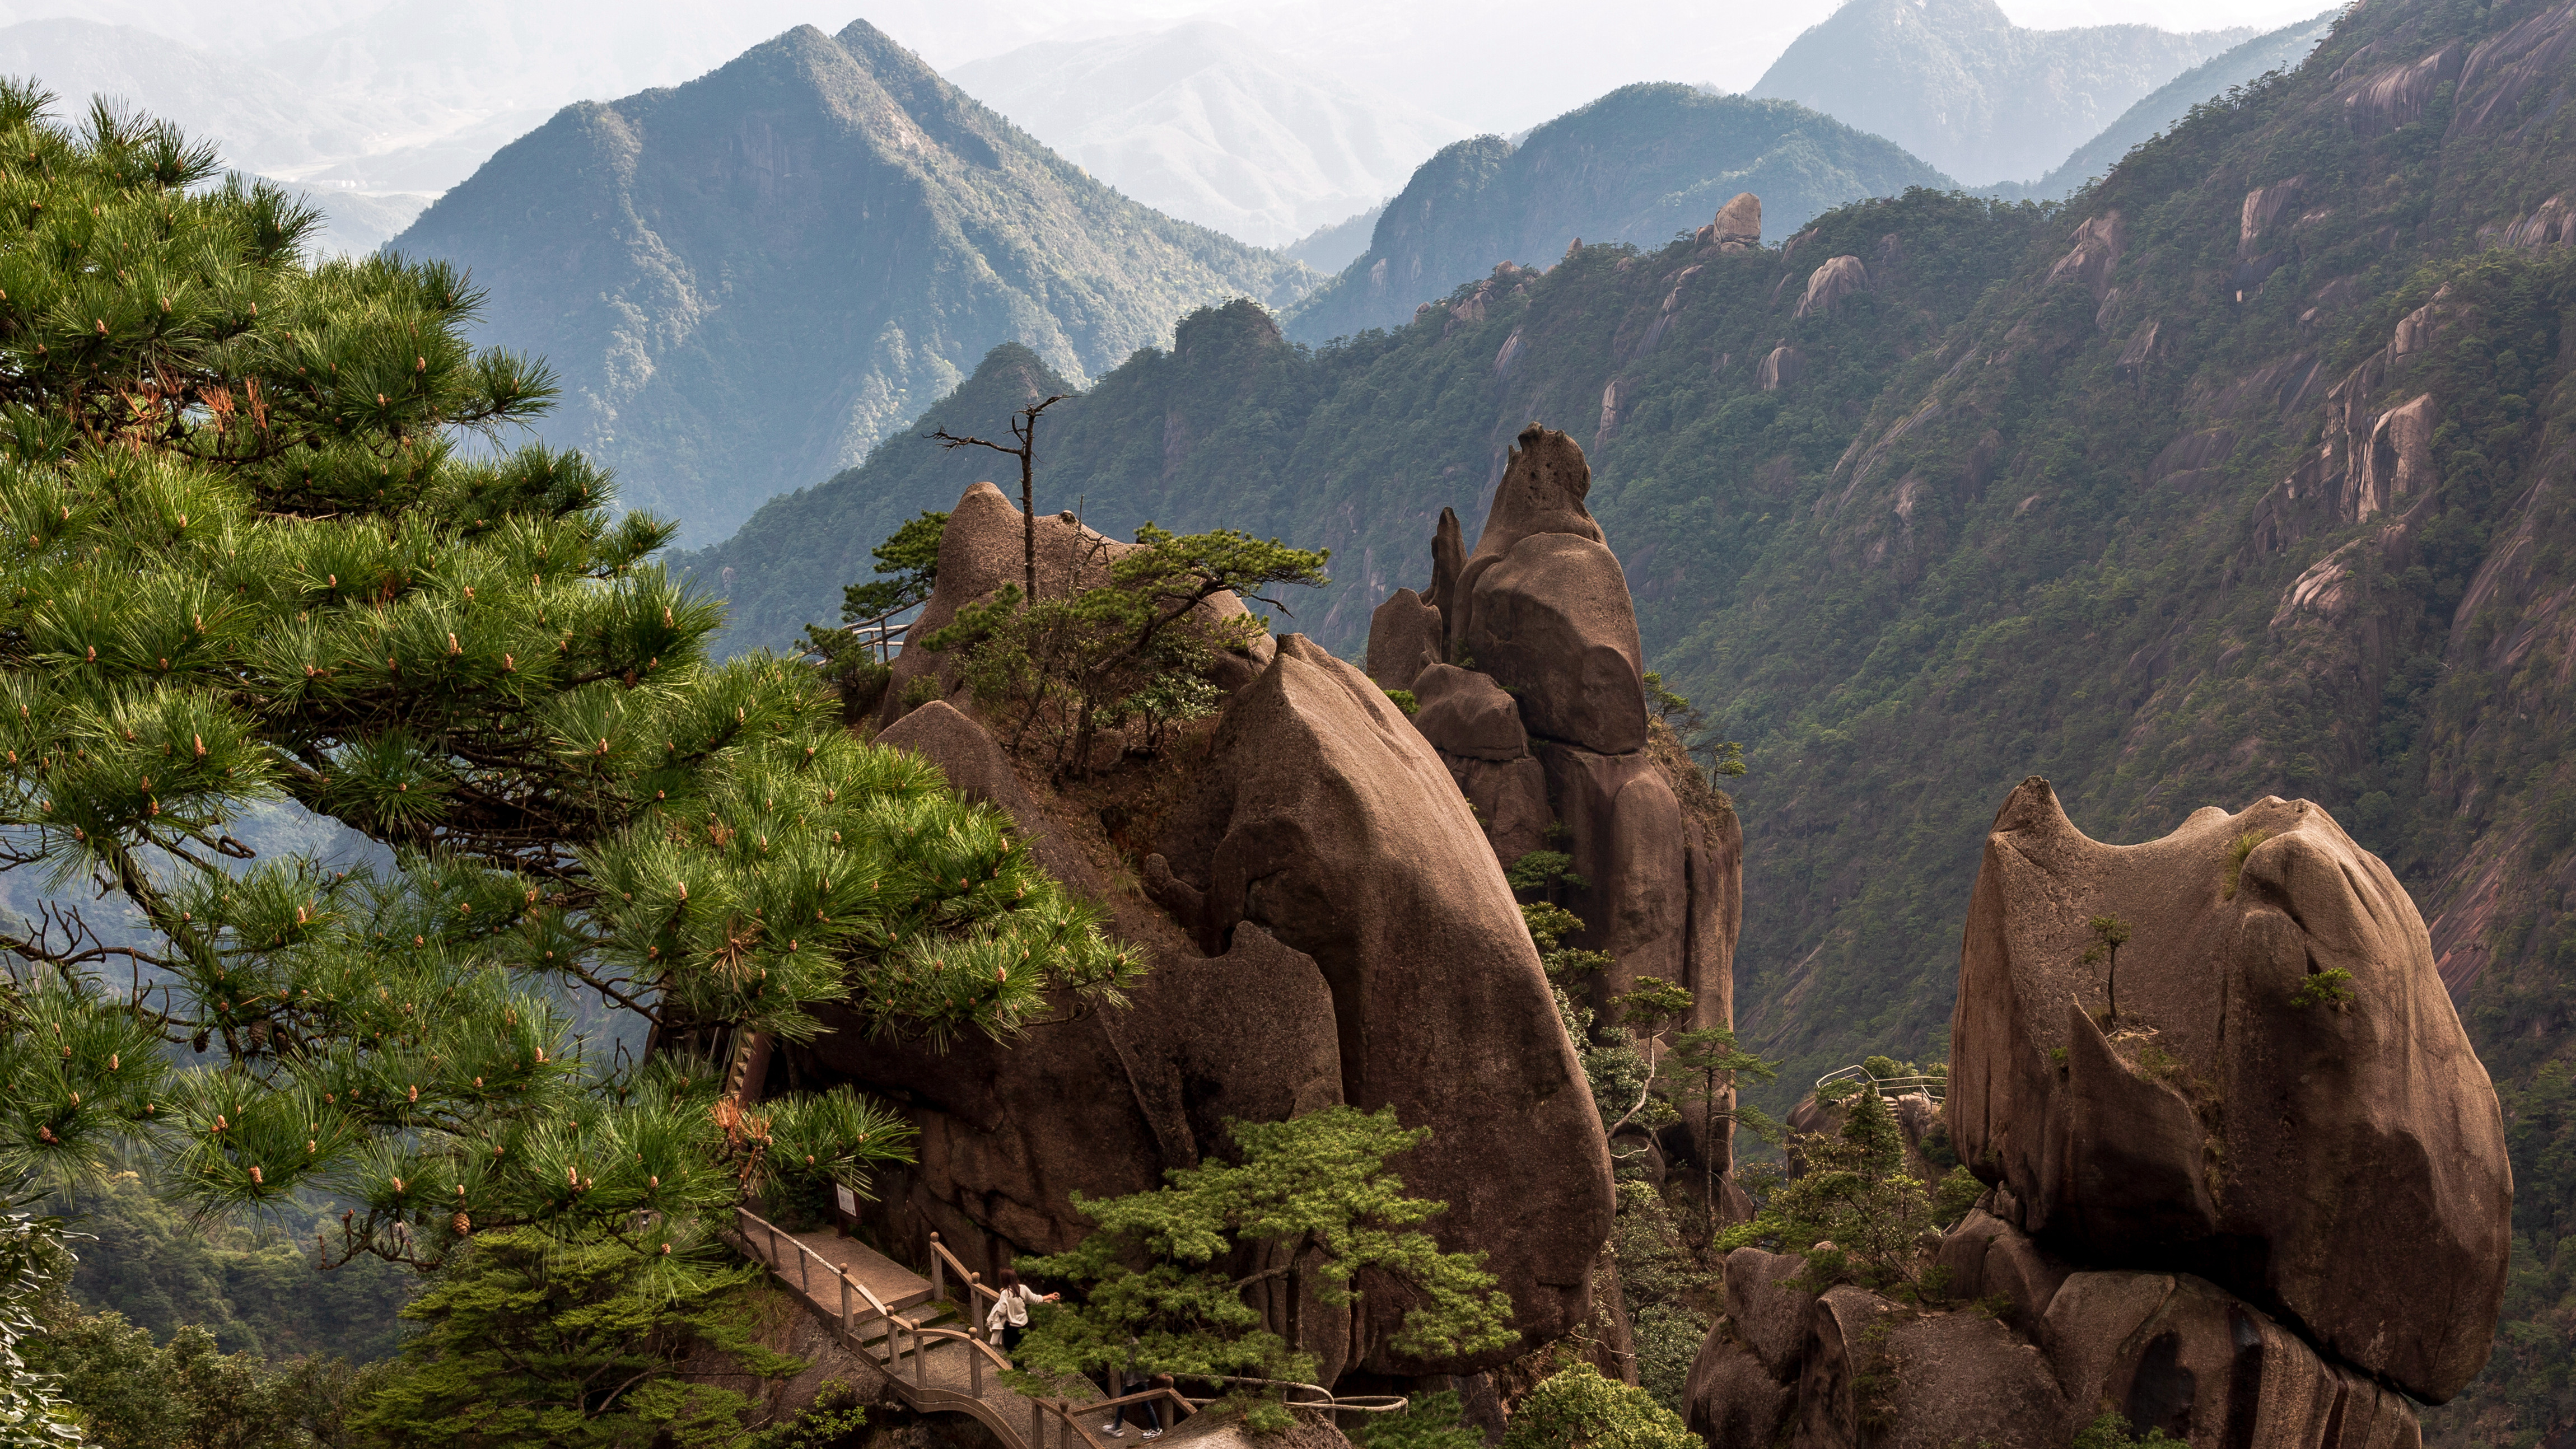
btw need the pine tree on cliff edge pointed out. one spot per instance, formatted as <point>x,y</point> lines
<point>247,566</point>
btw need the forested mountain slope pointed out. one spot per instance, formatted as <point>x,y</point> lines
<point>746,280</point>
<point>2245,472</point>
<point>1359,445</point>
<point>1958,84</point>
<point>1637,165</point>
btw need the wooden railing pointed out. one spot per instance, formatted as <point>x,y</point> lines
<point>767,1242</point>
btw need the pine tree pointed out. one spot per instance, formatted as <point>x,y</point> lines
<point>1315,1194</point>
<point>1705,1066</point>
<point>246,558</point>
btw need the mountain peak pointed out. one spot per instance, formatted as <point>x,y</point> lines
<point>808,245</point>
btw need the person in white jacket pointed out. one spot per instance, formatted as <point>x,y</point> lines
<point>1010,1314</point>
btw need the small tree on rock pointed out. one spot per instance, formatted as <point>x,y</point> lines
<point>1165,1279</point>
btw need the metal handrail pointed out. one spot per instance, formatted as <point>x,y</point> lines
<point>1936,1088</point>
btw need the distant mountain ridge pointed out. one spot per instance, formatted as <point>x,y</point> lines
<point>1203,123</point>
<point>747,280</point>
<point>1958,84</point>
<point>1637,165</point>
<point>2282,49</point>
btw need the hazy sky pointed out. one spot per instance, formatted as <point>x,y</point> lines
<point>1488,63</point>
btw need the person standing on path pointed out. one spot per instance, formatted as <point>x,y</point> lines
<point>1010,1314</point>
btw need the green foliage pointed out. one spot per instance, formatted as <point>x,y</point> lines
<point>2331,987</point>
<point>253,1288</point>
<point>1576,1408</point>
<point>831,1420</point>
<point>2237,849</point>
<point>2111,1431</point>
<point>1403,699</point>
<point>33,1411</point>
<point>1856,1195</point>
<point>188,1394</point>
<point>1545,871</point>
<point>1427,1421</point>
<point>1652,1004</point>
<point>1549,926</point>
<point>1954,1195</point>
<point>1668,1293</point>
<point>1315,1191</point>
<point>910,555</point>
<point>526,1343</point>
<point>250,562</point>
<point>1126,659</point>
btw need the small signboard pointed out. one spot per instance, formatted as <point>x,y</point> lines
<point>846,1200</point>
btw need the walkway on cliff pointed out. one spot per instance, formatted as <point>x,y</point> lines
<point>898,1320</point>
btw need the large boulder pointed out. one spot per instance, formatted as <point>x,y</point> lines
<point>1551,619</point>
<point>1101,1104</point>
<point>2235,1120</point>
<point>1540,716</point>
<point>1405,638</point>
<point>2175,1353</point>
<point>1768,1312</point>
<point>1510,801</point>
<point>1738,227</point>
<point>1467,715</point>
<point>1324,818</point>
<point>1730,1400</point>
<point>1990,1259</point>
<point>978,768</point>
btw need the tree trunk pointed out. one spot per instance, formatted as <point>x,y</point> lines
<point>1029,513</point>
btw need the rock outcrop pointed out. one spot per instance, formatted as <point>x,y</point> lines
<point>2234,1120</point>
<point>1537,707</point>
<point>1738,226</point>
<point>983,549</point>
<point>2165,1351</point>
<point>1327,925</point>
<point>2263,1202</point>
<point>1829,284</point>
<point>1328,821</point>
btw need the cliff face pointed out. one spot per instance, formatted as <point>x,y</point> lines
<point>747,280</point>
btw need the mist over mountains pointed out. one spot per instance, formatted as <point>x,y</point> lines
<point>1958,84</point>
<point>1203,123</point>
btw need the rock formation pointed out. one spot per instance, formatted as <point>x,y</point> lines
<point>2262,1204</point>
<point>982,551</point>
<point>2224,1124</point>
<point>1332,928</point>
<point>1738,227</point>
<point>1535,702</point>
